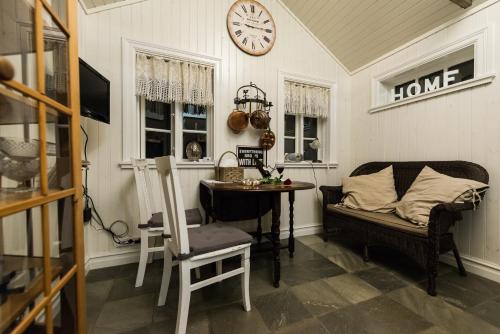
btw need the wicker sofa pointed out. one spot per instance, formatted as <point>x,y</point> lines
<point>422,245</point>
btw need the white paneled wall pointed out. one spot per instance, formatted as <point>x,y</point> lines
<point>463,125</point>
<point>199,26</point>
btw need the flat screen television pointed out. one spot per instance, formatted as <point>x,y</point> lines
<point>94,94</point>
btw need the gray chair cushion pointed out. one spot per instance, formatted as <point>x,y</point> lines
<point>193,217</point>
<point>213,237</point>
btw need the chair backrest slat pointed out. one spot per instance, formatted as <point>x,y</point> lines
<point>143,186</point>
<point>174,204</point>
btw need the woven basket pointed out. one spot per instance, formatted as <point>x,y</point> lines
<point>229,174</point>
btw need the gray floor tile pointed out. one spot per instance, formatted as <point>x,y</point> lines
<point>310,326</point>
<point>97,294</point>
<point>343,321</point>
<point>383,315</point>
<point>435,330</point>
<point>308,271</point>
<point>351,262</point>
<point>328,248</point>
<point>381,279</point>
<point>124,287</point>
<point>310,239</point>
<point>352,288</point>
<point>233,319</point>
<point>439,312</point>
<point>378,315</point>
<point>319,298</point>
<point>465,292</point>
<point>197,324</point>
<point>281,309</point>
<point>488,311</point>
<point>127,314</point>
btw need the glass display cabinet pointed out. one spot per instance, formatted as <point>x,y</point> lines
<point>42,275</point>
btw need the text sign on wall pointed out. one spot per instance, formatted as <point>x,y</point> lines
<point>416,89</point>
<point>248,155</point>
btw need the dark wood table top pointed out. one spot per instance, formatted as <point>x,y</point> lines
<point>296,185</point>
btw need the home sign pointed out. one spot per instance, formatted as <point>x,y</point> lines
<point>415,89</point>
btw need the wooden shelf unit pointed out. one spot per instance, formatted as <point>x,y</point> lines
<point>30,105</point>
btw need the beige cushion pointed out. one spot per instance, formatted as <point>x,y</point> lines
<point>431,188</point>
<point>373,192</point>
<point>389,220</point>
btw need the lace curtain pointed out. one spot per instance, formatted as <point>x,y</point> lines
<point>169,80</point>
<point>307,100</point>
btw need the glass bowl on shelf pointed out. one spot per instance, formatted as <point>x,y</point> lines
<point>19,171</point>
<point>19,149</point>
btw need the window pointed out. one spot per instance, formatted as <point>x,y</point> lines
<point>162,91</point>
<point>306,123</point>
<point>450,75</point>
<point>466,62</point>
<point>300,131</point>
<point>170,127</point>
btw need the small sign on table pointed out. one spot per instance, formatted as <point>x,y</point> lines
<point>248,155</point>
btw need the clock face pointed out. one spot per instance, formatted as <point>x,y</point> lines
<point>251,27</point>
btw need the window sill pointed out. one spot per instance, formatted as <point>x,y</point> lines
<point>180,164</point>
<point>479,81</point>
<point>306,164</point>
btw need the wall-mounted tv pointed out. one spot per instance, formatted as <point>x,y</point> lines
<point>94,94</point>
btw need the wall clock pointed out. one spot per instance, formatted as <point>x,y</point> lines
<point>251,27</point>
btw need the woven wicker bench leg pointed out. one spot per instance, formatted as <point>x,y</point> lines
<point>366,253</point>
<point>460,265</point>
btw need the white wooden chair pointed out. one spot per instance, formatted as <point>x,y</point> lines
<point>197,246</point>
<point>151,218</point>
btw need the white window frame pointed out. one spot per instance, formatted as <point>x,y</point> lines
<point>326,127</point>
<point>132,118</point>
<point>176,130</point>
<point>484,56</point>
<point>299,135</point>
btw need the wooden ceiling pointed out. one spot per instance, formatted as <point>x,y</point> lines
<point>360,31</point>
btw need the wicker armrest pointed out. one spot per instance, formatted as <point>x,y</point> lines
<point>444,215</point>
<point>331,194</point>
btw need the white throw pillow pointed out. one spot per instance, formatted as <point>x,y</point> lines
<point>373,192</point>
<point>431,188</point>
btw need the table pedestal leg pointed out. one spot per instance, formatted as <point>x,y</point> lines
<point>259,222</point>
<point>291,239</point>
<point>275,234</point>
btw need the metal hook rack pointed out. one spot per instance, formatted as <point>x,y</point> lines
<point>243,98</point>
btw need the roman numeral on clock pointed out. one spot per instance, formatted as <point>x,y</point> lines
<point>236,23</point>
<point>245,41</point>
<point>244,8</point>
<point>252,8</point>
<point>238,33</point>
<point>269,30</point>
<point>253,45</point>
<point>260,13</point>
<point>266,39</point>
<point>266,21</point>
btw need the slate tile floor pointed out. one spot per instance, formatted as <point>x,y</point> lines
<point>325,288</point>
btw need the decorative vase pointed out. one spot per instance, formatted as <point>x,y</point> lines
<point>194,151</point>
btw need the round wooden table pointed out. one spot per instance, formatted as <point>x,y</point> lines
<point>275,196</point>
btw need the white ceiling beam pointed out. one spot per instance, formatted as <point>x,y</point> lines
<point>462,3</point>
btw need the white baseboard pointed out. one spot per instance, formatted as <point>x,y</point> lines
<point>111,260</point>
<point>476,266</point>
<point>132,256</point>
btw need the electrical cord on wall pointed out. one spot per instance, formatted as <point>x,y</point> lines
<point>118,238</point>
<point>316,184</point>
